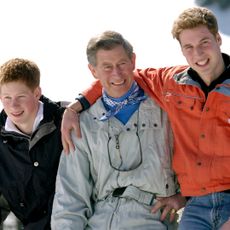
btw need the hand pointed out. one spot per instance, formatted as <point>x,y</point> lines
<point>70,121</point>
<point>169,205</point>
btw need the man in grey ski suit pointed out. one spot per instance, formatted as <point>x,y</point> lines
<point>122,164</point>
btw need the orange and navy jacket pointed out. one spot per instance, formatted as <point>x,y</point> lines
<point>200,122</point>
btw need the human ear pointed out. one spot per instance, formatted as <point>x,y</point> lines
<point>38,92</point>
<point>92,70</point>
<point>133,60</point>
<point>218,39</point>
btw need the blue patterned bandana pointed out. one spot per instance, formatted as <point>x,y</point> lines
<point>133,96</point>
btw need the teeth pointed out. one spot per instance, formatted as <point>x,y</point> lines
<point>118,83</point>
<point>202,62</point>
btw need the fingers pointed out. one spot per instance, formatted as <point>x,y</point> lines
<point>67,143</point>
<point>70,121</point>
<point>168,211</point>
<point>66,139</point>
<point>167,206</point>
<point>77,128</point>
<point>157,206</point>
<point>173,210</point>
<point>173,214</point>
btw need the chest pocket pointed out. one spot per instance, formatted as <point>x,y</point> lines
<point>184,102</point>
<point>151,116</point>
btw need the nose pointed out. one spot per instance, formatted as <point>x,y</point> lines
<point>14,102</point>
<point>116,71</point>
<point>198,51</point>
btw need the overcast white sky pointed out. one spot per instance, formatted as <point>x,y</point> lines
<point>54,34</point>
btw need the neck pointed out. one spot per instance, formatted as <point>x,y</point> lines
<point>215,74</point>
<point>26,129</point>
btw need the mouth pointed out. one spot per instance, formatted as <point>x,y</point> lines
<point>202,63</point>
<point>17,114</point>
<point>118,83</point>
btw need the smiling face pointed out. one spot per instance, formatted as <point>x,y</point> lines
<point>20,104</point>
<point>114,69</point>
<point>202,52</point>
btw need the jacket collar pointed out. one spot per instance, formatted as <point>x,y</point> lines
<point>189,76</point>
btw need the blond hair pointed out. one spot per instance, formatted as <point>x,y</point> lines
<point>193,17</point>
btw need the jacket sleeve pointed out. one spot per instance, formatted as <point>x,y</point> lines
<point>93,92</point>
<point>155,82</point>
<point>151,80</point>
<point>72,200</point>
<point>144,78</point>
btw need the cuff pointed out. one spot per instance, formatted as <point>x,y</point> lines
<point>84,102</point>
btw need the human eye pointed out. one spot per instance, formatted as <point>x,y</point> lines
<point>22,97</point>
<point>205,43</point>
<point>6,97</point>
<point>107,67</point>
<point>188,48</point>
<point>122,64</point>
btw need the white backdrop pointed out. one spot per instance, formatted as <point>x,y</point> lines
<point>54,34</point>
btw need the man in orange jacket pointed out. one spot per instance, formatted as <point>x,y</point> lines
<point>197,100</point>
